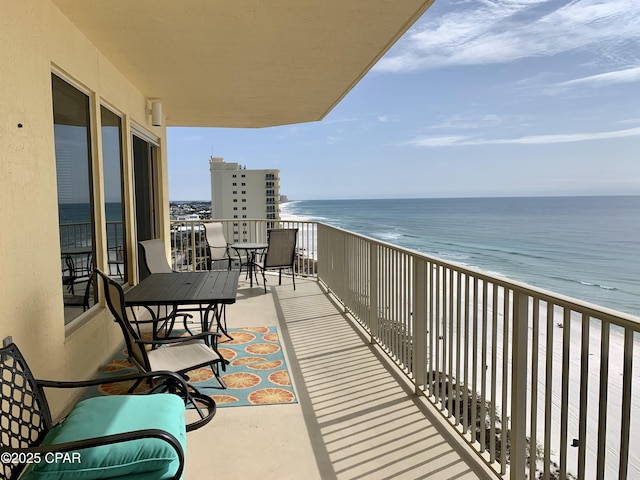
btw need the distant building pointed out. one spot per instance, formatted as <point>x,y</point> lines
<point>240,193</point>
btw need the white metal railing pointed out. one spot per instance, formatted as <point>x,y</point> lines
<point>517,371</point>
<point>188,243</point>
<point>80,234</point>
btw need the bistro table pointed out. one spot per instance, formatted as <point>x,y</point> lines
<point>251,250</point>
<point>210,288</point>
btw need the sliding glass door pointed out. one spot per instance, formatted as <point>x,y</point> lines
<point>144,165</point>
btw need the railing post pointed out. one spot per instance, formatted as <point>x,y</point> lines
<point>193,247</point>
<point>373,291</point>
<point>419,323</point>
<point>518,459</point>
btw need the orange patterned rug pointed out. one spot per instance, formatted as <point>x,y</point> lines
<point>257,373</point>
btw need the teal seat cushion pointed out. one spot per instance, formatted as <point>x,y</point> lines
<point>151,458</point>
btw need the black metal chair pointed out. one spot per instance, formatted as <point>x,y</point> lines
<point>280,254</point>
<point>80,298</point>
<point>99,434</point>
<point>116,256</point>
<point>176,354</point>
<point>77,276</point>
<point>78,268</point>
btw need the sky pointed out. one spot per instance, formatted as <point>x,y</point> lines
<point>478,98</point>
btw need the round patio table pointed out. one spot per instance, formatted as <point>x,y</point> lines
<point>251,250</point>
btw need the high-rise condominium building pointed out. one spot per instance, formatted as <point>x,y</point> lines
<point>240,193</point>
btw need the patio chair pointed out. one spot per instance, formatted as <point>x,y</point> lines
<point>79,298</point>
<point>77,270</point>
<point>141,435</point>
<point>155,259</point>
<point>116,258</point>
<point>280,254</point>
<point>217,245</point>
<point>154,256</point>
<point>175,354</point>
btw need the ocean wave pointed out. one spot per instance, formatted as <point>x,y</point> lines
<point>387,236</point>
<point>586,284</point>
<point>285,214</point>
<point>295,218</point>
<point>457,256</point>
<point>604,287</point>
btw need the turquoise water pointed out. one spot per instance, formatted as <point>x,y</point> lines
<point>584,247</point>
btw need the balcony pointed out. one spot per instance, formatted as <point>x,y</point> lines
<point>356,416</point>
<point>404,363</point>
<point>501,365</point>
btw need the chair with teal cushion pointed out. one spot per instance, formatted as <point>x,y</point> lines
<point>140,436</point>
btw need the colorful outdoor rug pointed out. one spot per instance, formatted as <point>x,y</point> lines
<point>257,373</point>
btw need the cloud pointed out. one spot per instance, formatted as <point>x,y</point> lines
<point>467,122</point>
<point>621,76</point>
<point>456,141</point>
<point>477,32</point>
<point>341,120</point>
<point>388,118</point>
<point>447,141</point>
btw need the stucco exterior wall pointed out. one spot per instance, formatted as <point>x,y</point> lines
<point>36,39</point>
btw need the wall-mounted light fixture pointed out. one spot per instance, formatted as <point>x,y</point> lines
<point>156,114</point>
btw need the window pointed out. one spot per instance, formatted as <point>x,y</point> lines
<point>114,193</point>
<point>71,128</point>
<point>235,192</point>
<point>234,183</point>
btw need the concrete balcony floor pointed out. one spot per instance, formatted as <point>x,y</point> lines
<point>356,416</point>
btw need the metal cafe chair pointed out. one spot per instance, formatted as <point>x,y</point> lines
<point>280,254</point>
<point>174,354</point>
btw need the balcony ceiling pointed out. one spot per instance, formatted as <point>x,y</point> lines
<point>251,63</point>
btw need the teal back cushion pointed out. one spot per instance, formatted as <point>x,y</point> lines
<point>151,458</point>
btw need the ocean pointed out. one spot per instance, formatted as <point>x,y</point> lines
<point>583,247</point>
